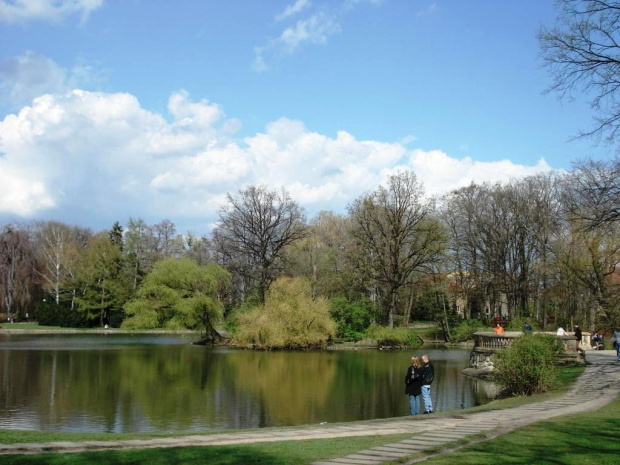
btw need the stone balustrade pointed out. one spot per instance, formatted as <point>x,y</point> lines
<point>487,344</point>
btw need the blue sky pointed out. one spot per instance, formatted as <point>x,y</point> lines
<point>156,109</point>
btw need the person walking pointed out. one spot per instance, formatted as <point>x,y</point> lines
<point>428,374</point>
<point>578,337</point>
<point>616,338</point>
<point>413,385</point>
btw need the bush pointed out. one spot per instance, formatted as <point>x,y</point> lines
<point>397,337</point>
<point>464,331</point>
<point>48,313</point>
<point>290,319</point>
<point>527,366</point>
<point>352,318</point>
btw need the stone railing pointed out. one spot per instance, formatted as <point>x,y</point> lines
<point>487,344</point>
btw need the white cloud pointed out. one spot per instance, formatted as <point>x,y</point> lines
<point>95,158</point>
<point>313,30</point>
<point>30,75</point>
<point>293,9</point>
<point>22,11</point>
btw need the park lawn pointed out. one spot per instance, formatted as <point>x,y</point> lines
<point>582,439</point>
<point>277,453</point>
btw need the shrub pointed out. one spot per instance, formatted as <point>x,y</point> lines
<point>290,319</point>
<point>352,318</point>
<point>397,337</point>
<point>48,313</point>
<point>527,366</point>
<point>464,331</point>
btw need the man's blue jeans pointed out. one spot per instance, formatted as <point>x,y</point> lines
<point>426,397</point>
<point>618,350</point>
<point>414,405</point>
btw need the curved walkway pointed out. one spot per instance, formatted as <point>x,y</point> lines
<point>596,387</point>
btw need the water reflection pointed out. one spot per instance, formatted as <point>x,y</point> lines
<point>119,383</point>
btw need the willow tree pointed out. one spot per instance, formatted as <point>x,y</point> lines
<point>179,294</point>
<point>397,228</point>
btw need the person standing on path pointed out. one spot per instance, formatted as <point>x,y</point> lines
<point>578,337</point>
<point>428,374</point>
<point>617,339</point>
<point>413,388</point>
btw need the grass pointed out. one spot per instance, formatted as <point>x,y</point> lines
<point>28,326</point>
<point>284,452</point>
<point>583,439</point>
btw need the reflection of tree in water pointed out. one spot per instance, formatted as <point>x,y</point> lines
<point>179,387</point>
<point>291,385</point>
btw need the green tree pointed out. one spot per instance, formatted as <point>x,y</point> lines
<point>179,294</point>
<point>352,318</point>
<point>289,319</point>
<point>101,283</point>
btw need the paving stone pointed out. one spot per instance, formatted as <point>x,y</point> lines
<point>359,459</point>
<point>404,447</point>
<point>64,445</point>
<point>392,450</point>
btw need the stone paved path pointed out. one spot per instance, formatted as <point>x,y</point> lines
<point>598,385</point>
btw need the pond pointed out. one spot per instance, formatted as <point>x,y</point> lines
<point>164,383</point>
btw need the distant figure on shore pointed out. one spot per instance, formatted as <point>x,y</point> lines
<point>561,331</point>
<point>498,329</point>
<point>597,341</point>
<point>413,385</point>
<point>578,337</point>
<point>428,374</point>
<point>528,327</point>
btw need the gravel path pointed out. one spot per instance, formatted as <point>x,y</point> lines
<point>596,387</point>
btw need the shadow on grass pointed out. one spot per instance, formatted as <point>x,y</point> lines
<point>185,455</point>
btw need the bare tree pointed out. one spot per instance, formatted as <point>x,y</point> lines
<point>56,243</point>
<point>582,52</point>
<point>592,193</point>
<point>16,269</point>
<point>397,228</point>
<point>256,225</point>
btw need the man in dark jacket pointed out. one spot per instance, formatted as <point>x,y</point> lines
<point>428,374</point>
<point>578,340</point>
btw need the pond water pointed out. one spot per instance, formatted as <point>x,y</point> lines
<point>163,383</point>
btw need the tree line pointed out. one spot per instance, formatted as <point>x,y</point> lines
<point>544,247</point>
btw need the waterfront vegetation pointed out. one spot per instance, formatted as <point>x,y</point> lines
<point>528,366</point>
<point>528,249</point>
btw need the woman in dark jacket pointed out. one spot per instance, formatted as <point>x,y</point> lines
<point>413,385</point>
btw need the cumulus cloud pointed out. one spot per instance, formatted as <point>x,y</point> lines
<point>30,75</point>
<point>94,158</point>
<point>23,11</point>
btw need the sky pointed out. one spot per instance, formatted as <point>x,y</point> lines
<point>152,109</point>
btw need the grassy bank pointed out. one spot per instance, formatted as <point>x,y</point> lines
<point>584,439</point>
<point>285,452</point>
